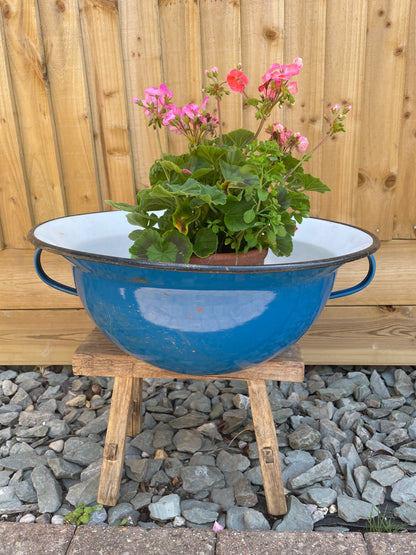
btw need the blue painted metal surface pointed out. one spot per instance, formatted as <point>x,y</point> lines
<point>203,320</point>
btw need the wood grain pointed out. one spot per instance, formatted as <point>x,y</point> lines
<point>115,440</point>
<point>387,30</point>
<point>264,429</point>
<point>31,94</point>
<point>342,335</point>
<point>102,54</point>
<point>15,208</point>
<point>97,355</point>
<point>61,41</point>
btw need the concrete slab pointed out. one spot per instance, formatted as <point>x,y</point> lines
<point>36,539</point>
<point>391,544</point>
<point>127,540</point>
<point>233,542</point>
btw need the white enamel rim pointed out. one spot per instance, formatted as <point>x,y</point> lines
<point>107,242</point>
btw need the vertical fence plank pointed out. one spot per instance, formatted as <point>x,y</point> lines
<point>344,73</point>
<point>181,56</point>
<point>380,136</point>
<point>215,15</point>
<point>141,51</point>
<point>30,86</point>
<point>305,36</point>
<point>262,30</point>
<point>61,41</point>
<point>405,205</point>
<point>99,24</point>
<point>15,218</point>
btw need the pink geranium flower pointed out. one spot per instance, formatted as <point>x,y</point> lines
<point>237,81</point>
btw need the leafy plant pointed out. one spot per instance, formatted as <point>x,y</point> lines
<point>380,523</point>
<point>230,192</point>
<point>81,514</point>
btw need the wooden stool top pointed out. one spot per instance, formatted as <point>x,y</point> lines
<point>98,356</point>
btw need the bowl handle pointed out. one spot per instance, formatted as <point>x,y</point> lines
<point>366,281</point>
<point>49,281</point>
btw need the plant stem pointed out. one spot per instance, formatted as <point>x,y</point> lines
<point>161,153</point>
<point>219,119</point>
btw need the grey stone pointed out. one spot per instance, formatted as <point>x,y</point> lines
<point>254,520</point>
<point>22,461</point>
<point>21,398</point>
<point>233,419</point>
<point>198,478</point>
<point>64,469</point>
<point>91,470</point>
<point>373,493</point>
<point>296,468</point>
<point>82,451</point>
<point>322,471</point>
<point>199,512</point>
<point>5,435</point>
<point>396,436</point>
<point>200,460</point>
<point>350,485</point>
<point>173,467</point>
<point>142,499</point>
<point>378,386</point>
<point>227,462</point>
<point>406,512</point>
<point>163,436</point>
<point>332,393</point>
<point>375,445</point>
<point>353,459</point>
<point>9,388</point>
<point>144,442</point>
<point>304,437</point>
<point>84,491</point>
<point>254,475</point>
<point>378,462</point>
<point>98,517</point>
<point>350,419</point>
<point>404,490</point>
<point>36,431</point>
<point>387,476</point>
<point>361,392</point>
<point>188,441</point>
<point>5,477</point>
<point>394,402</point>
<point>48,490</point>
<point>8,498</point>
<point>241,401</point>
<point>166,508</point>
<point>244,494</point>
<point>235,518</point>
<point>331,444</point>
<point>26,492</point>
<point>406,454</point>
<point>198,401</point>
<point>96,426</point>
<point>320,496</point>
<point>321,410</point>
<point>58,429</point>
<point>361,476</point>
<point>191,420</point>
<point>297,518</point>
<point>224,497</point>
<point>403,384</point>
<point>120,512</point>
<point>329,428</point>
<point>9,418</point>
<point>8,375</point>
<point>351,510</point>
<point>159,478</point>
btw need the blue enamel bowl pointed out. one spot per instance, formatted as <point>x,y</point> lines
<point>201,320</point>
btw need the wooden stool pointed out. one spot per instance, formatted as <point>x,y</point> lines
<point>97,356</point>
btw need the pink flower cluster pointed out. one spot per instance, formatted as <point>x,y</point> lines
<point>192,120</point>
<point>286,139</point>
<point>278,75</point>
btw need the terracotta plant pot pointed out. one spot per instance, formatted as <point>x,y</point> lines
<point>251,258</point>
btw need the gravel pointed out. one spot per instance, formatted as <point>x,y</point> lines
<point>347,441</point>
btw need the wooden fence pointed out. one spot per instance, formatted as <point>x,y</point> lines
<point>71,137</point>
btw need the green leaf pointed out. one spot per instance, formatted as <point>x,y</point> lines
<point>205,242</point>
<point>262,194</point>
<point>209,153</point>
<point>239,174</point>
<point>184,216</point>
<point>234,215</point>
<point>312,183</point>
<point>239,138</point>
<point>249,216</point>
<point>162,252</point>
<point>122,206</point>
<point>182,243</point>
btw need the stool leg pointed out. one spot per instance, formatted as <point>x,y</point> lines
<point>135,422</point>
<point>267,447</point>
<point>113,457</point>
